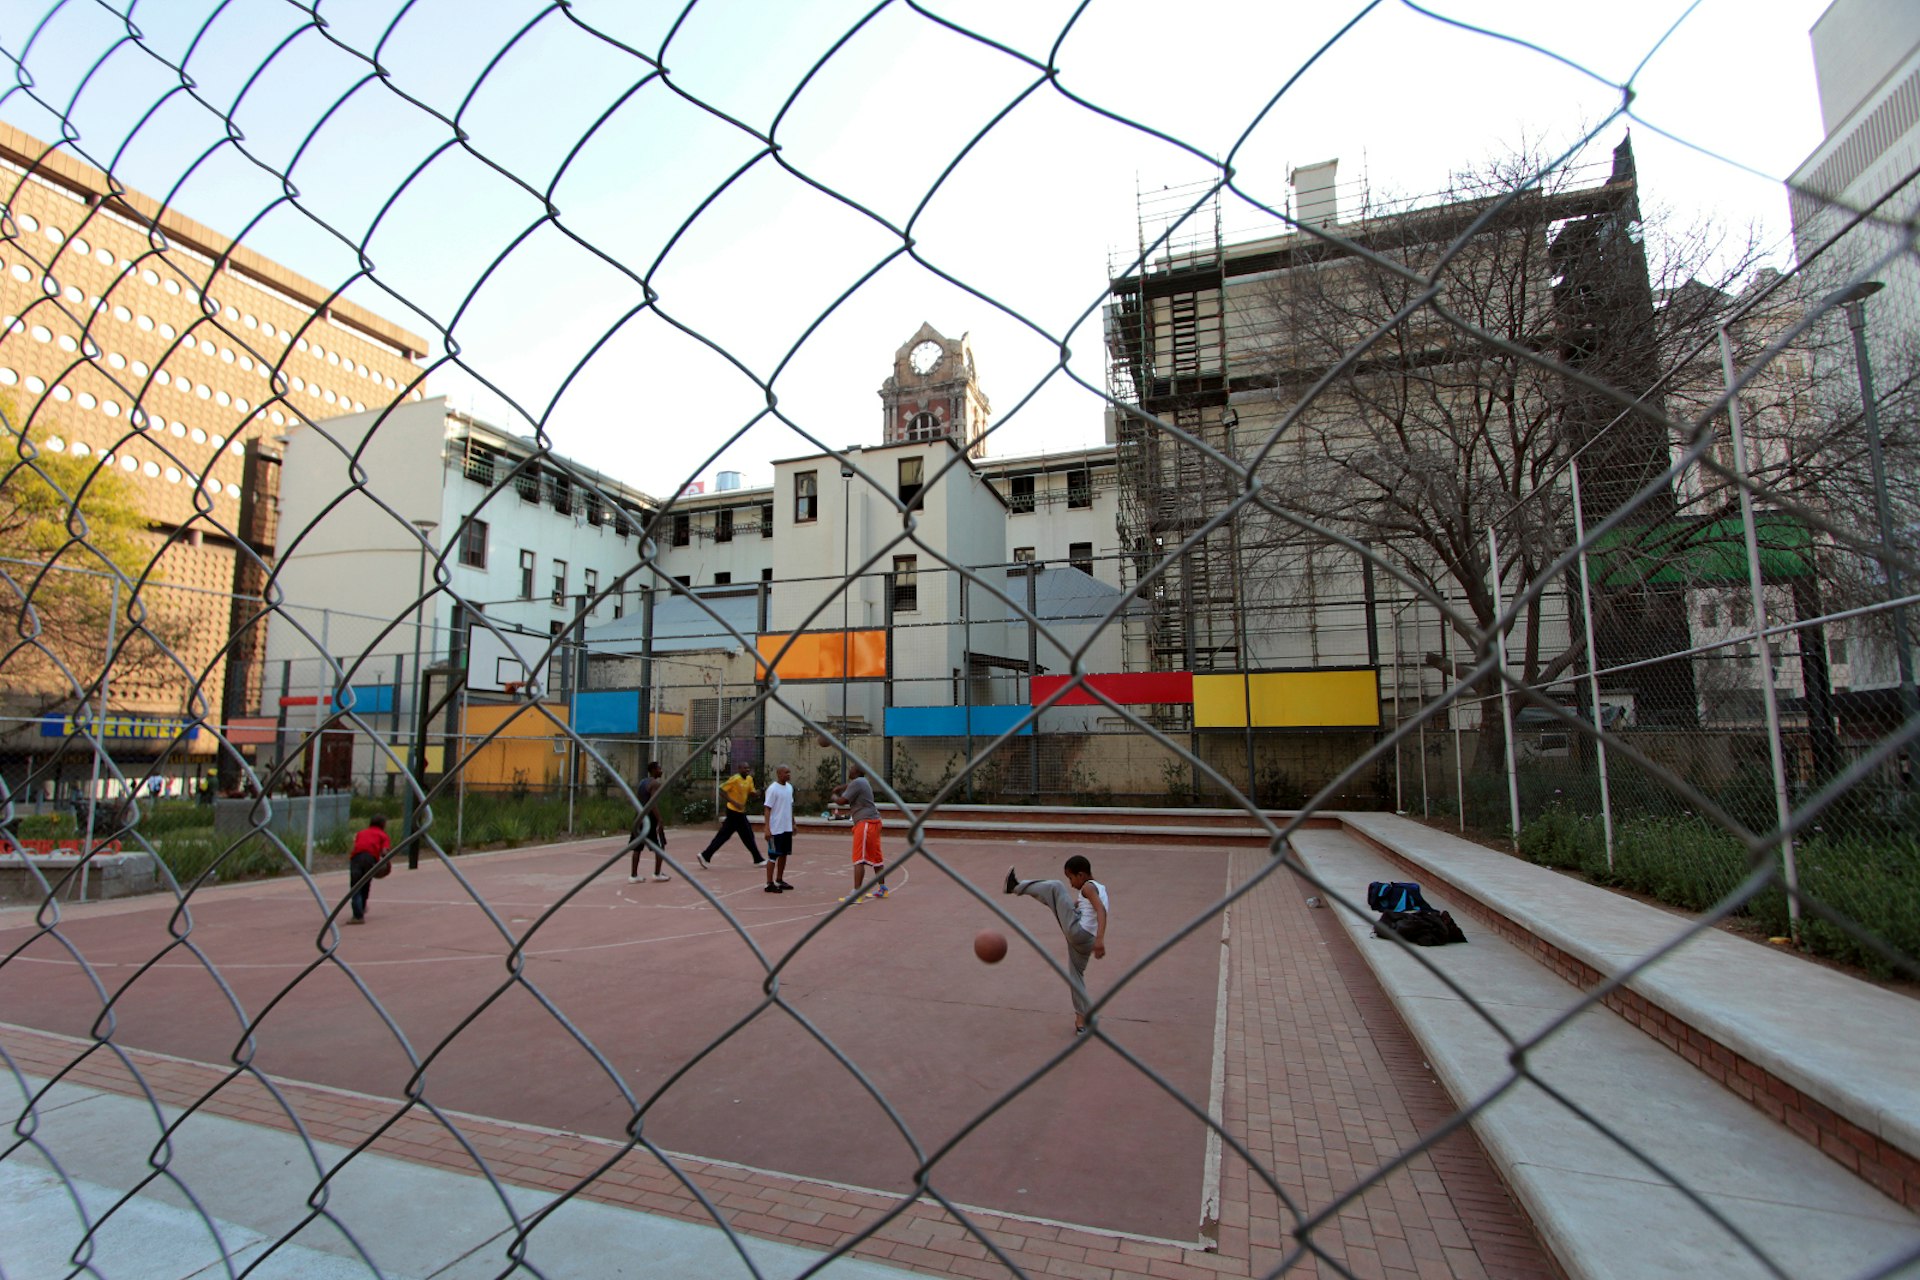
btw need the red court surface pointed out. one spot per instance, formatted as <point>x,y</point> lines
<point>652,976</point>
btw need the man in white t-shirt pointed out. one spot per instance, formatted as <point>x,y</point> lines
<point>779,802</point>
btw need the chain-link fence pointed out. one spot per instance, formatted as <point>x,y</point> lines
<point>1508,509</point>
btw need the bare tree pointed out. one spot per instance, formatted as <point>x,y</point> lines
<point>1463,409</point>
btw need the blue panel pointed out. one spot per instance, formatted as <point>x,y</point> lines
<point>370,699</point>
<point>609,711</point>
<point>951,722</point>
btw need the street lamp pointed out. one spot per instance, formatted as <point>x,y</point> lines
<point>419,712</point>
<point>1854,300</point>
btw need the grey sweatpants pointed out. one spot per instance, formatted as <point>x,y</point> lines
<point>1059,895</point>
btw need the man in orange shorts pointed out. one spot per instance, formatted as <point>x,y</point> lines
<point>856,795</point>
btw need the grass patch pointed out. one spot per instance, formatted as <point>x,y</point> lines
<point>1687,862</point>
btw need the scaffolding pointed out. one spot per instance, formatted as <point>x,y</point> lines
<point>1168,361</point>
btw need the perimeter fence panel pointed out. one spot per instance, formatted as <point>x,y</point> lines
<point>1501,507</point>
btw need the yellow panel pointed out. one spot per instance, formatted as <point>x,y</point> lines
<point>523,753</point>
<point>1219,702</point>
<point>1288,700</point>
<point>669,724</point>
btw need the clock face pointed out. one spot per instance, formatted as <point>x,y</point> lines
<point>926,357</point>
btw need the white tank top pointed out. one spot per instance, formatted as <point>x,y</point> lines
<point>1088,920</point>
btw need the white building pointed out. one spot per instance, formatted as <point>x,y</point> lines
<point>1866,58</point>
<point>530,541</point>
<point>526,540</point>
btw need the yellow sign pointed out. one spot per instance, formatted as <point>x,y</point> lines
<point>1288,700</point>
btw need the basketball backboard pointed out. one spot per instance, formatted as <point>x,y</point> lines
<point>512,657</point>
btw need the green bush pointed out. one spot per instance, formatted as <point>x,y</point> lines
<point>1693,864</point>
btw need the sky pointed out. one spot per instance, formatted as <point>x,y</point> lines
<point>637,223</point>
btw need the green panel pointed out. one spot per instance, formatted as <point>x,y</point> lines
<point>1701,552</point>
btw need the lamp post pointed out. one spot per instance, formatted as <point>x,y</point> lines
<point>419,686</point>
<point>1854,300</point>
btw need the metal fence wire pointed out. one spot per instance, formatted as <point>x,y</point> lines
<point>1611,532</point>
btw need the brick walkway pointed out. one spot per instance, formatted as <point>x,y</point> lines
<point>1324,1086</point>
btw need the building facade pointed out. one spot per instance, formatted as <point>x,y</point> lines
<point>155,350</point>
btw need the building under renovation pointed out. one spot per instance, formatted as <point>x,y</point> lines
<point>1352,380</point>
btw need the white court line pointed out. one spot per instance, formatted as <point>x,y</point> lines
<point>1217,1086</point>
<point>541,953</point>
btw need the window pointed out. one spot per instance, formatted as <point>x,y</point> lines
<point>527,484</point>
<point>596,511</point>
<point>592,589</point>
<point>723,525</point>
<point>723,579</point>
<point>473,544</point>
<point>911,471</point>
<point>806,496</point>
<point>562,494</point>
<point>620,526</point>
<point>766,575</point>
<point>619,605</point>
<point>1022,497</point>
<point>682,530</point>
<point>906,586</point>
<point>1079,488</point>
<point>479,463</point>
<point>559,584</point>
<point>924,426</point>
<point>683,579</point>
<point>1023,555</point>
<point>1080,556</point>
<point>1837,652</point>
<point>528,562</point>
<point>766,519</point>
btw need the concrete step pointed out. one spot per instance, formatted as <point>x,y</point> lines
<point>1600,1208</point>
<point>1215,828</point>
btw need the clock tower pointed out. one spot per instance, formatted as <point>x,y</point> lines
<point>932,393</point>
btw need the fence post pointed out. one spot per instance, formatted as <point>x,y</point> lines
<point>1453,720</point>
<point>966,677</point>
<point>1593,673</point>
<point>318,737</point>
<point>99,739</point>
<point>1506,688</point>
<point>1763,647</point>
<point>1399,744</point>
<point>1033,665</point>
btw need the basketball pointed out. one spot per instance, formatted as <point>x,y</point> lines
<point>990,945</point>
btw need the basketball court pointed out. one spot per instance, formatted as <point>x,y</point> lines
<point>666,999</point>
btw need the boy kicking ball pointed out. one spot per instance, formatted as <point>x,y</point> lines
<point>1080,907</point>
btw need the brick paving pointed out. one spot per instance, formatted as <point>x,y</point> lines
<point>1324,1086</point>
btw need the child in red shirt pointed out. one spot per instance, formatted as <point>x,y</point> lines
<point>369,848</point>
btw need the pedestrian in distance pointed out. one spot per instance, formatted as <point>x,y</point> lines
<point>733,822</point>
<point>779,812</point>
<point>648,830</point>
<point>1080,907</point>
<point>370,847</point>
<point>856,794</point>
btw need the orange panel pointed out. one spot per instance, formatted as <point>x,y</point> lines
<point>869,653</point>
<point>822,655</point>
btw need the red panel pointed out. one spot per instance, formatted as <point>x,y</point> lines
<point>1126,688</point>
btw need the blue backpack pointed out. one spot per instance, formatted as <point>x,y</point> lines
<point>1395,895</point>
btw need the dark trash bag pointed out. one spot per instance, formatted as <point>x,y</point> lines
<point>1395,895</point>
<point>1423,928</point>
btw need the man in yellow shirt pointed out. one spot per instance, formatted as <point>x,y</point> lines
<point>733,819</point>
